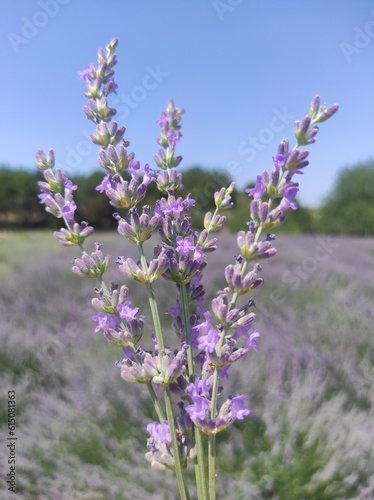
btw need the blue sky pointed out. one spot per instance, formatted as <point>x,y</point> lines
<point>243,70</point>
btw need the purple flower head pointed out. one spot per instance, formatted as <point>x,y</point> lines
<point>230,411</point>
<point>233,409</point>
<point>45,161</point>
<point>169,137</point>
<point>173,138</point>
<point>174,312</point>
<point>134,167</point>
<point>87,74</point>
<point>69,187</point>
<point>149,175</point>
<point>126,311</point>
<point>159,433</point>
<point>91,266</point>
<point>67,211</point>
<point>251,343</point>
<point>258,190</point>
<point>45,197</point>
<point>207,336</point>
<point>105,184</point>
<point>74,235</point>
<point>279,161</point>
<point>105,321</point>
<point>122,194</point>
<point>175,207</point>
<point>200,309</point>
<point>200,387</point>
<point>289,195</point>
<point>198,410</point>
<point>126,354</point>
<point>184,245</point>
<point>163,120</point>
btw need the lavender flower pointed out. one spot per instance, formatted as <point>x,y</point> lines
<point>209,342</point>
<point>91,266</point>
<point>169,137</point>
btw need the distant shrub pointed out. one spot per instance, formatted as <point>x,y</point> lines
<point>349,209</point>
<point>18,199</point>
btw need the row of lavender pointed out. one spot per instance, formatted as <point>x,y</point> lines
<point>310,434</point>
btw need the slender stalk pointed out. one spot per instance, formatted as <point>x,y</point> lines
<point>200,473</point>
<point>212,466</point>
<point>213,408</point>
<point>152,302</point>
<point>156,403</point>
<point>178,467</point>
<point>169,410</point>
<point>212,437</point>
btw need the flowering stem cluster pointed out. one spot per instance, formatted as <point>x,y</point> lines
<point>209,340</point>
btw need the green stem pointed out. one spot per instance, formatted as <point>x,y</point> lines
<point>156,403</point>
<point>178,467</point>
<point>186,322</point>
<point>212,466</point>
<point>200,473</point>
<point>152,302</point>
<point>169,410</point>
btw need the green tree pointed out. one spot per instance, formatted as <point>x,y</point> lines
<point>202,184</point>
<point>349,209</point>
<point>19,204</point>
<point>92,206</point>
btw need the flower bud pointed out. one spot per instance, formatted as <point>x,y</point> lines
<point>222,198</point>
<point>324,114</point>
<point>75,236</point>
<point>314,107</point>
<point>220,307</point>
<point>169,180</point>
<point>132,372</point>
<point>304,133</point>
<point>44,161</point>
<point>176,367</point>
<point>130,268</point>
<point>91,266</point>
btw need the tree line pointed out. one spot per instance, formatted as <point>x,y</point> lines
<point>348,209</point>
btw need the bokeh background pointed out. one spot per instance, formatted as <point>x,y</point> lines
<point>244,71</point>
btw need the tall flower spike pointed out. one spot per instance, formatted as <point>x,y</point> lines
<point>169,137</point>
<point>221,337</point>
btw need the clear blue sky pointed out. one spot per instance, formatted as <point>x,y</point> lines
<point>233,65</point>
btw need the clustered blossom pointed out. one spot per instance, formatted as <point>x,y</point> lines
<point>169,137</point>
<point>278,185</point>
<point>91,266</point>
<point>210,340</point>
<point>160,453</point>
<point>231,409</point>
<point>119,322</point>
<point>113,155</point>
<point>57,195</point>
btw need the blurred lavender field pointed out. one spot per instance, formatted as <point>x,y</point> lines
<point>310,434</point>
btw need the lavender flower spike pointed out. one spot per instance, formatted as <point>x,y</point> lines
<point>186,371</point>
<point>91,266</point>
